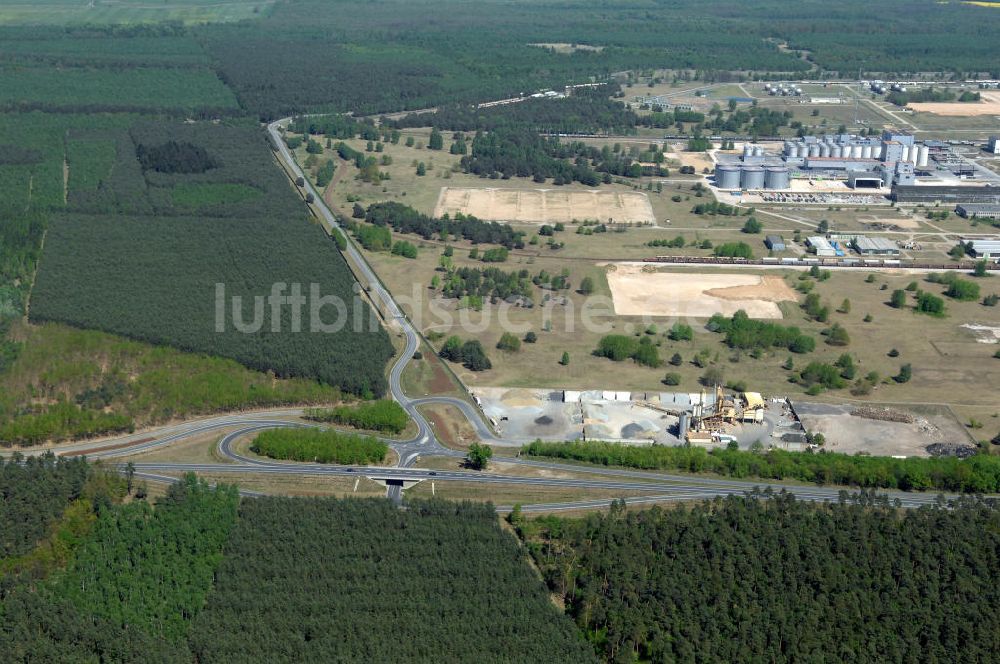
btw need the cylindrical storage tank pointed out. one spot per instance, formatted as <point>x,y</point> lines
<point>758,151</point>
<point>801,150</point>
<point>788,149</point>
<point>824,150</point>
<point>727,176</point>
<point>777,177</point>
<point>877,151</point>
<point>923,156</point>
<point>866,152</point>
<point>836,151</point>
<point>906,153</point>
<point>856,151</point>
<point>747,150</point>
<point>814,150</point>
<point>752,177</point>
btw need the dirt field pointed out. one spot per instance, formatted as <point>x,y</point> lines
<point>848,434</point>
<point>637,290</point>
<point>990,105</point>
<point>545,205</point>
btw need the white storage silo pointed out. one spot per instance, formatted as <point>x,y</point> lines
<point>866,151</point>
<point>856,151</point>
<point>906,153</point>
<point>758,151</point>
<point>923,156</point>
<point>814,150</point>
<point>824,149</point>
<point>877,151</point>
<point>747,150</point>
<point>837,151</point>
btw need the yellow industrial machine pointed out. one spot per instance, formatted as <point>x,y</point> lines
<point>709,420</point>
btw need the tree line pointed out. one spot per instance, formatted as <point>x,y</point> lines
<point>977,474</point>
<point>404,219</point>
<point>319,446</point>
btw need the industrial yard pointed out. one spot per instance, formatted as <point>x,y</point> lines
<point>713,418</point>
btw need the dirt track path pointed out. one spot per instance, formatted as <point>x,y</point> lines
<point>338,175</point>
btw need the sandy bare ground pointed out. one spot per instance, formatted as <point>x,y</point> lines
<point>990,105</point>
<point>638,291</point>
<point>545,205</point>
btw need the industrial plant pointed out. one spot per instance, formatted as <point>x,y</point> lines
<point>863,162</point>
<point>894,164</point>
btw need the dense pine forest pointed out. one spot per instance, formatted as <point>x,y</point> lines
<point>92,571</point>
<point>359,580</point>
<point>180,209</point>
<point>757,580</point>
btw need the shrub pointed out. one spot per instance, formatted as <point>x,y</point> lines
<point>381,415</point>
<point>820,373</point>
<point>672,379</point>
<point>930,304</point>
<point>509,343</point>
<point>963,290</point>
<point>734,250</point>
<point>474,356</point>
<point>752,226</point>
<point>681,332</point>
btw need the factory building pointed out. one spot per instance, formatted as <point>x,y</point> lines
<point>986,249</point>
<point>874,246</point>
<point>823,247</point>
<point>864,179</point>
<point>775,242</point>
<point>978,210</point>
<point>945,194</point>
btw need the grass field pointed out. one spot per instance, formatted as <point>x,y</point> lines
<point>72,12</point>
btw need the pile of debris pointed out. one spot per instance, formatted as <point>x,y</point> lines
<point>960,450</point>
<point>883,414</point>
